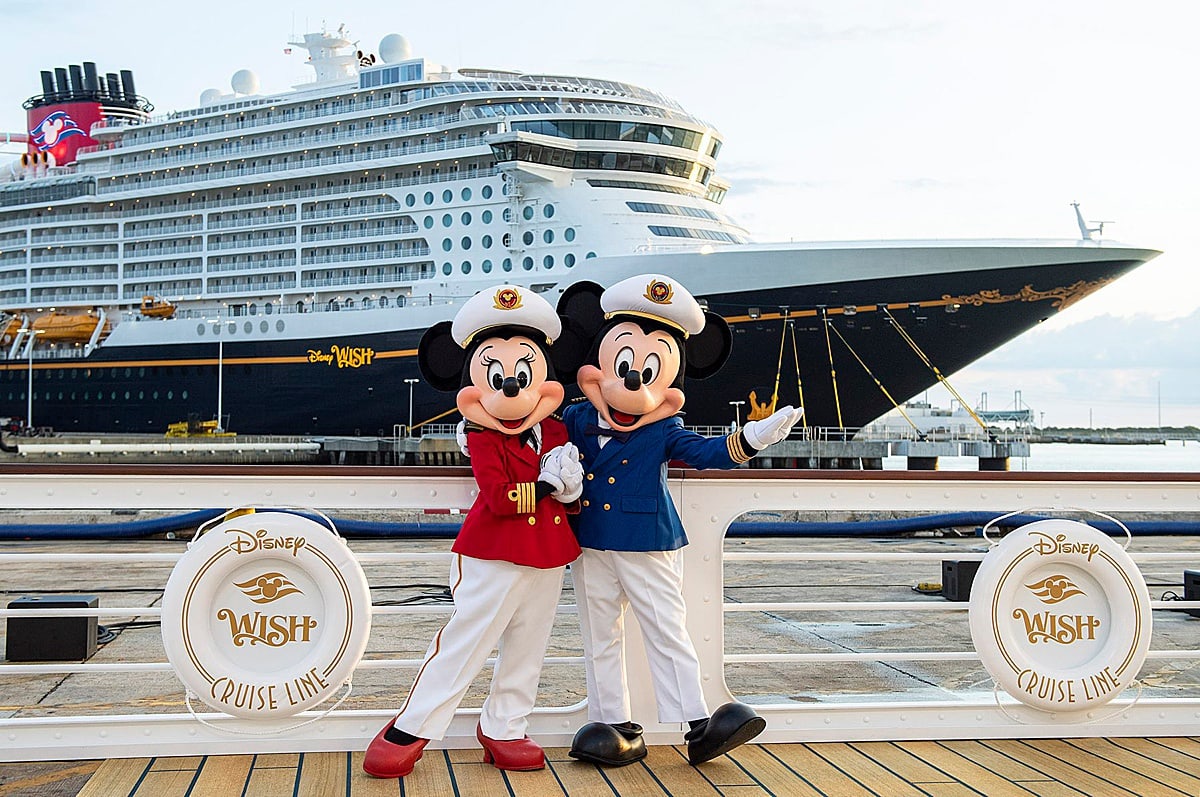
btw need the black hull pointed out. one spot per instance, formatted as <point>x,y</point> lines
<point>953,318</point>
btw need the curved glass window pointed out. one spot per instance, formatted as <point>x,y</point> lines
<point>466,242</point>
<point>447,268</point>
<point>548,261</point>
<point>673,210</point>
<point>466,218</point>
<point>466,194</point>
<point>428,222</point>
<point>410,200</point>
<point>486,266</point>
<point>486,242</point>
<point>428,197</point>
<point>466,267</point>
<point>487,192</point>
<point>527,264</point>
<point>589,255</point>
<point>527,237</point>
<point>688,232</point>
<point>447,220</point>
<point>548,236</point>
<point>447,244</point>
<point>548,211</point>
<point>486,216</point>
<point>569,259</point>
<point>665,135</point>
<point>527,212</point>
<point>616,161</point>
<point>507,264</point>
<point>447,195</point>
<point>569,234</point>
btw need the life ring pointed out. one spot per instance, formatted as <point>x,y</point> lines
<point>266,615</point>
<point>1060,616</point>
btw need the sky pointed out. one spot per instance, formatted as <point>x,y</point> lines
<point>846,120</point>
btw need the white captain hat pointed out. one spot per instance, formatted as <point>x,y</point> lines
<point>655,297</point>
<point>502,306</point>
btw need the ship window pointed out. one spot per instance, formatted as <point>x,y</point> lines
<point>128,371</point>
<point>447,244</point>
<point>486,216</point>
<point>487,192</point>
<point>548,211</point>
<point>507,214</point>
<point>589,255</point>
<point>548,236</point>
<point>569,259</point>
<point>466,242</point>
<point>447,268</point>
<point>507,239</point>
<point>141,373</point>
<point>466,218</point>
<point>447,195</point>
<point>264,326</point>
<point>569,233</point>
<point>486,241</point>
<point>486,266</point>
<point>126,395</point>
<point>527,263</point>
<point>507,264</point>
<point>527,212</point>
<point>183,395</point>
<point>153,395</point>
<point>279,323</point>
<point>548,261</point>
<point>268,308</point>
<point>248,327</point>
<point>113,396</point>
<point>410,200</point>
<point>428,222</point>
<point>466,192</point>
<point>447,220</point>
<point>527,237</point>
<point>466,267</point>
<point>428,197</point>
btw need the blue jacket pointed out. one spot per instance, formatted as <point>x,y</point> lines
<point>626,506</point>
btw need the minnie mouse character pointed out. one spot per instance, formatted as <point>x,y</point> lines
<point>648,332</point>
<point>515,542</point>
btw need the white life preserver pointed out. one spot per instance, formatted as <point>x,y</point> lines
<point>1060,616</point>
<point>266,615</point>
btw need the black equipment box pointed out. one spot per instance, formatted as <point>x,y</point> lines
<point>51,638</point>
<point>1191,589</point>
<point>957,576</point>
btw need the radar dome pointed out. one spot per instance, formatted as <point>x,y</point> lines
<point>209,96</point>
<point>394,48</point>
<point>244,82</point>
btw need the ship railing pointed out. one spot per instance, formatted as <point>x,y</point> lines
<point>219,269</point>
<point>388,208</point>
<point>132,231</point>
<point>73,297</point>
<point>166,251</point>
<point>288,217</point>
<point>377,232</point>
<point>282,241</point>
<point>274,285</point>
<point>73,258</point>
<point>928,682</point>
<point>345,257</point>
<point>127,185</point>
<point>307,282</point>
<point>162,271</point>
<point>108,235</point>
<point>42,279</point>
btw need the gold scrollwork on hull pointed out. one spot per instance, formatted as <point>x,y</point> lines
<point>1063,297</point>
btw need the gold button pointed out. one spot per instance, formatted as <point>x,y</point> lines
<point>587,502</point>
<point>607,507</point>
<point>557,520</point>
<point>591,476</point>
<point>612,480</point>
<point>532,520</point>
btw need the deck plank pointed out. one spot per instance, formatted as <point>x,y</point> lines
<point>431,775</point>
<point>993,760</point>
<point>1167,756</point>
<point>577,777</point>
<point>116,776</point>
<point>766,772</point>
<point>322,774</point>
<point>870,774</point>
<point>903,763</point>
<point>949,788</point>
<point>633,779</point>
<point>681,778</point>
<point>1107,749</point>
<point>799,759</point>
<point>723,771</point>
<point>166,783</point>
<point>172,763</point>
<point>1057,769</point>
<point>272,760</point>
<point>363,785</point>
<point>1184,744</point>
<point>223,775</point>
<point>476,778</point>
<point>271,781</point>
<point>963,769</point>
<point>1102,767</point>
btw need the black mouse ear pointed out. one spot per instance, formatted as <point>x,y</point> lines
<point>570,350</point>
<point>708,350</point>
<point>440,358</point>
<point>581,304</point>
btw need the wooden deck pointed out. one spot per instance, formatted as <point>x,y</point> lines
<point>1052,767</point>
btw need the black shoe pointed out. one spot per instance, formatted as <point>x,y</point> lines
<point>730,726</point>
<point>609,745</point>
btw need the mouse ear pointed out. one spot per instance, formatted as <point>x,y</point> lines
<point>708,350</point>
<point>581,304</point>
<point>440,358</point>
<point>570,350</point>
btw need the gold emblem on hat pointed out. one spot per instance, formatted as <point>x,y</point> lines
<point>507,299</point>
<point>660,292</point>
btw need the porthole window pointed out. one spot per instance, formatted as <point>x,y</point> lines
<point>153,395</point>
<point>141,395</point>
<point>126,395</point>
<point>447,220</point>
<point>447,268</point>
<point>253,309</point>
<point>486,266</point>
<point>507,264</point>
<point>528,212</point>
<point>248,327</point>
<point>428,197</point>
<point>279,325</point>
<point>447,195</point>
<point>506,214</point>
<point>486,242</point>
<point>200,330</point>
<point>263,326</point>
<point>569,233</point>
<point>569,259</point>
<point>466,242</point>
<point>410,200</point>
<point>548,261</point>
<point>466,267</point>
<point>486,216</point>
<point>128,372</point>
<point>268,308</point>
<point>428,222</point>
<point>447,244</point>
<point>183,395</point>
<point>466,218</point>
<point>548,236</point>
<point>527,264</point>
<point>527,237</point>
<point>383,301</point>
<point>548,211</point>
<point>466,194</point>
<point>589,255</point>
<point>487,192</point>
<point>141,373</point>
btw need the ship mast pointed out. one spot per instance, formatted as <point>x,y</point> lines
<point>333,56</point>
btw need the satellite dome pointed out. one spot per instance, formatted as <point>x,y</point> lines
<point>244,82</point>
<point>209,96</point>
<point>394,48</point>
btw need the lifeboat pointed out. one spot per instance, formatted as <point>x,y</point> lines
<point>10,329</point>
<point>153,307</point>
<point>58,327</point>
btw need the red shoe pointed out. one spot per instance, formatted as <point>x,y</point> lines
<point>387,760</point>
<point>519,755</point>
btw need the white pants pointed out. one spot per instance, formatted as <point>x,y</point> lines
<point>495,604</point>
<point>607,583</point>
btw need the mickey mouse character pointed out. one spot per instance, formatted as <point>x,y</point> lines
<point>515,541</point>
<point>649,332</point>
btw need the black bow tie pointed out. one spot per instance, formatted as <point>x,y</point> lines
<point>600,431</point>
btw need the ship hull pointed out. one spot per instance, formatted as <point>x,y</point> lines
<point>351,384</point>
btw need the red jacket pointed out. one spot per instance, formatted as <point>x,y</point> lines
<point>506,522</point>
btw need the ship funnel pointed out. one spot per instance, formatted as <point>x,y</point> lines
<point>47,82</point>
<point>114,85</point>
<point>76,78</point>
<point>127,86</point>
<point>90,82</point>
<point>60,80</point>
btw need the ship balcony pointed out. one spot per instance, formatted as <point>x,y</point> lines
<point>18,259</point>
<point>254,265</point>
<point>132,231</point>
<point>257,287</point>
<point>74,296</point>
<point>57,222</point>
<point>405,274</point>
<point>74,258</point>
<point>154,254</point>
<point>133,272</point>
<point>17,280</point>
<point>253,243</point>
<point>346,257</point>
<point>61,277</point>
<point>107,235</point>
<point>386,233</point>
<point>257,222</point>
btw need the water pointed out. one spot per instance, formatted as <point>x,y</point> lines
<point>1175,456</point>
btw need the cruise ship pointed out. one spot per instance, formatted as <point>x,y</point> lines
<point>270,261</point>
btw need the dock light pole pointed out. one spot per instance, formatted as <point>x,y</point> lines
<point>29,393</point>
<point>737,413</point>
<point>410,383</point>
<point>220,382</point>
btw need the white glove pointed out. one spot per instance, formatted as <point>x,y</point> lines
<point>571,472</point>
<point>760,434</point>
<point>550,468</point>
<point>460,436</point>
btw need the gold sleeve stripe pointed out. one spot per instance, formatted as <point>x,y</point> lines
<point>736,452</point>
